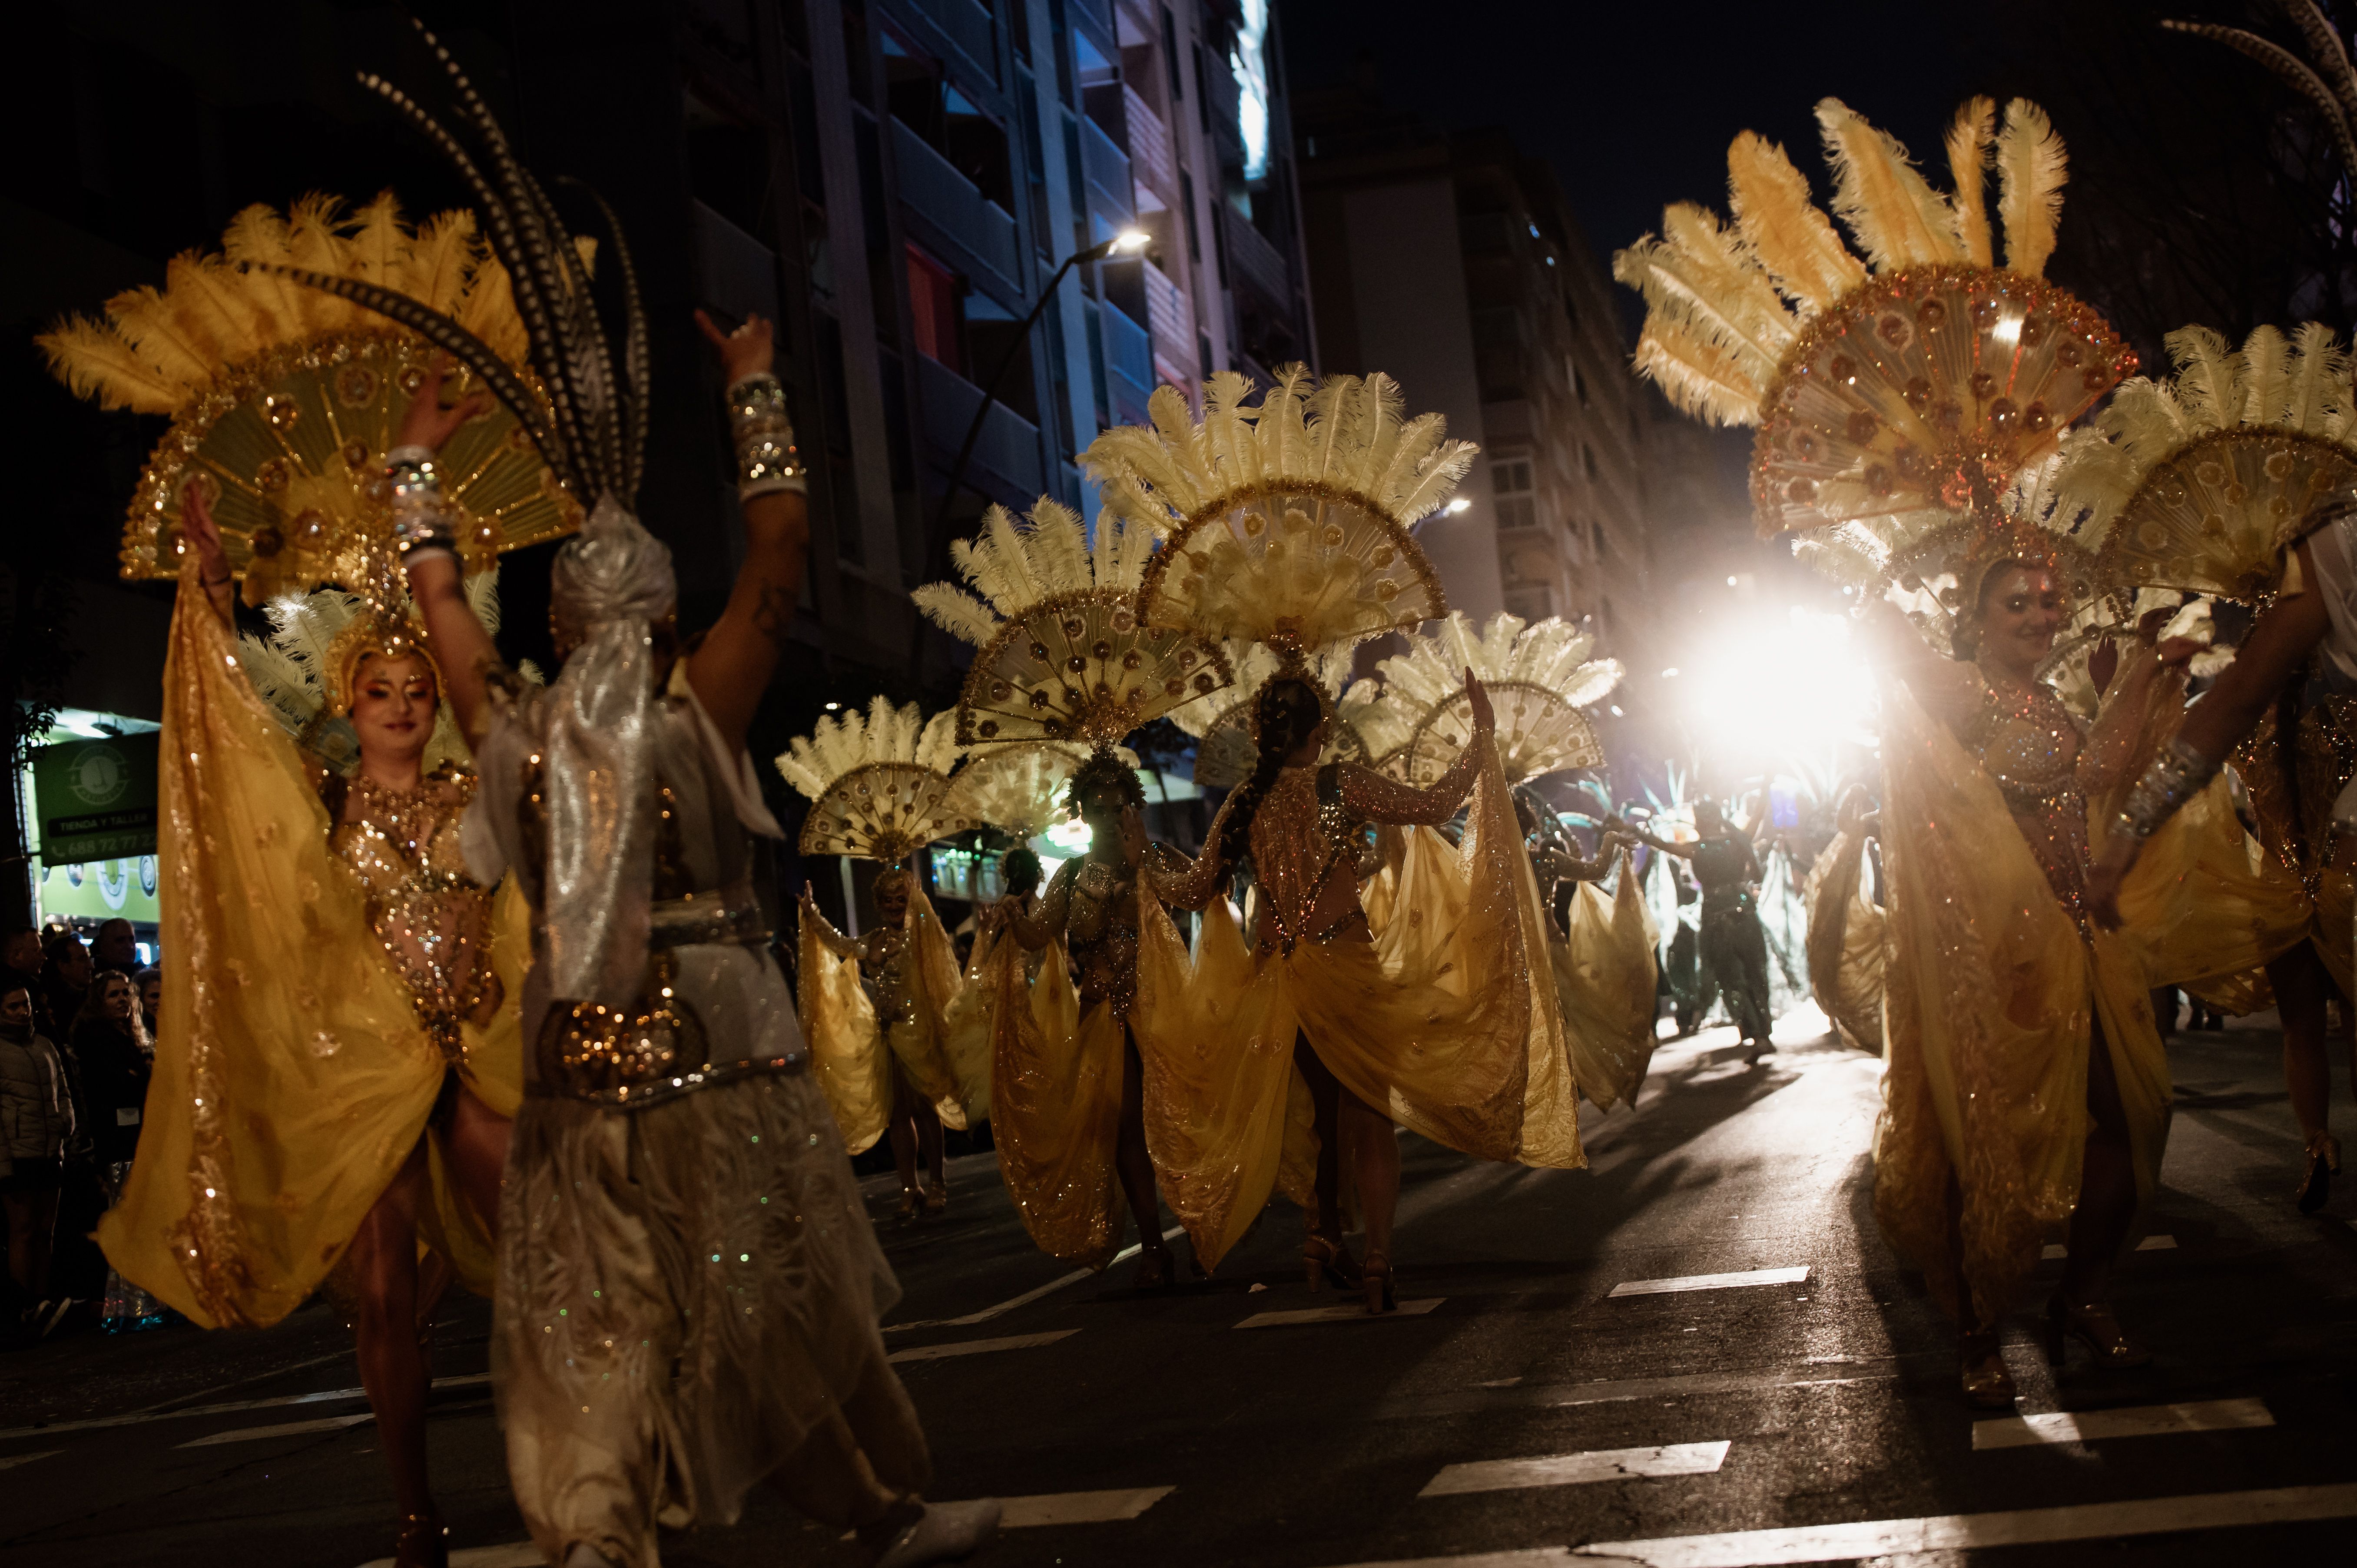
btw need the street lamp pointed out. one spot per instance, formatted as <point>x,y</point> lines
<point>1128,241</point>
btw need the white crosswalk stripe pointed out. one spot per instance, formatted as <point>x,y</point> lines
<point>1574,1469</point>
<point>978,1347</point>
<point>13,1460</point>
<point>284,1429</point>
<point>1079,1508</point>
<point>1354,1313</point>
<point>2142,1420</point>
<point>1713,1282</point>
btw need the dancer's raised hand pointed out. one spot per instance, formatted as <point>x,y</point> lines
<point>1478,697</point>
<point>747,352</point>
<point>426,423</point>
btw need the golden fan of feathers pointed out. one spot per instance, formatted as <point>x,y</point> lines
<point>1539,677</point>
<point>1222,723</point>
<point>284,399</point>
<point>2201,481</point>
<point>1289,518</point>
<point>879,784</point>
<point>1019,789</point>
<point>1064,655</point>
<point>1919,388</point>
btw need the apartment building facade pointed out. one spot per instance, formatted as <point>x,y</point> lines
<point>1452,264</point>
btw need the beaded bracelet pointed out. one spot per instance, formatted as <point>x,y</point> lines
<point>764,437</point>
<point>421,518</point>
<point>2174,777</point>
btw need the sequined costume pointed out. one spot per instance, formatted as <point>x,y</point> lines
<point>1845,942</point>
<point>689,1287</point>
<point>1444,1020</point>
<point>1734,944</point>
<point>1605,979</point>
<point>875,1011</point>
<point>329,967</point>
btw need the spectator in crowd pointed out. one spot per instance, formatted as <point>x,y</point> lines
<point>111,1044</point>
<point>65,980</point>
<point>20,960</point>
<point>150,981</point>
<point>116,946</point>
<point>36,1125</point>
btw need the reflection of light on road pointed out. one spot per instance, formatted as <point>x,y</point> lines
<point>1765,689</point>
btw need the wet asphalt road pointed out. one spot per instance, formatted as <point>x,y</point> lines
<point>1707,1425</point>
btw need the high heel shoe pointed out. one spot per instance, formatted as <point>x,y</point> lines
<point>935,1198</point>
<point>1153,1268</point>
<point>424,1542</point>
<point>2093,1325</point>
<point>2315,1180</point>
<point>1326,1261</point>
<point>908,1203</point>
<point>1375,1279</point>
<point>1980,1360</point>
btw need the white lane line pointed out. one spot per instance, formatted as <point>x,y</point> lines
<point>1713,1282</point>
<point>978,1347</point>
<point>2149,1244</point>
<point>1964,1532</point>
<point>2141,1421</point>
<point>138,1418</point>
<point>515,1554</point>
<point>1079,1508</point>
<point>1026,1298</point>
<point>1338,1315</point>
<point>1573,1469</point>
<point>14,1460</point>
<point>284,1429</point>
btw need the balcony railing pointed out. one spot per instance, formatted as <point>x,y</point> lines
<point>1008,450</point>
<point>1171,314</point>
<point>1129,363</point>
<point>973,232</point>
<point>735,271</point>
<point>1151,160</point>
<point>1251,256</point>
<point>1111,196</point>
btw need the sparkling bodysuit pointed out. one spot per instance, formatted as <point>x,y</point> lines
<point>1094,904</point>
<point>2031,745</point>
<point>434,921</point>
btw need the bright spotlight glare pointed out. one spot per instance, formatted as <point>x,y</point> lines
<point>1671,673</point>
<point>1616,713</point>
<point>832,706</point>
<point>1731,582</point>
<point>1458,507</point>
<point>1770,689</point>
<point>1138,238</point>
<point>1072,838</point>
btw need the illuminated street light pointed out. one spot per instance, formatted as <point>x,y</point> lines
<point>1458,507</point>
<point>1671,673</point>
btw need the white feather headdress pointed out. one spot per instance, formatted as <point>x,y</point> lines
<point>1539,677</point>
<point>879,783</point>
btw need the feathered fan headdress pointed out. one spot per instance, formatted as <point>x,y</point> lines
<point>1288,519</point>
<point>1539,677</point>
<point>2202,481</point>
<point>1225,749</point>
<point>283,400</point>
<point>1889,402</point>
<point>1064,655</point>
<point>1019,789</point>
<point>879,785</point>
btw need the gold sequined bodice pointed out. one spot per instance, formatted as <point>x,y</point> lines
<point>884,960</point>
<point>1300,844</point>
<point>401,848</point>
<point>2029,742</point>
<point>1101,931</point>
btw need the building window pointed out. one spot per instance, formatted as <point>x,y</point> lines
<point>1170,52</point>
<point>1510,489</point>
<point>933,309</point>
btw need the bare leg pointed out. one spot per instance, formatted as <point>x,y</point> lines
<point>2107,1193</point>
<point>1135,1166</point>
<point>1324,1095</point>
<point>476,1144</point>
<point>1373,1146</point>
<point>383,1260</point>
<point>929,1144</point>
<point>2302,986</point>
<point>903,1133</point>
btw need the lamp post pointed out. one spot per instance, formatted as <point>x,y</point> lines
<point>1128,239</point>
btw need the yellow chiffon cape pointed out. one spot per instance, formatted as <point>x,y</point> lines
<point>1992,990</point>
<point>1605,982</point>
<point>855,1059</point>
<point>292,1079</point>
<point>1447,1022</point>
<point>1847,930</point>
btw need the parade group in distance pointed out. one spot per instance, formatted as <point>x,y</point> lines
<point>466,980</point>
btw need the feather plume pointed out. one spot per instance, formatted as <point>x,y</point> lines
<point>1895,216</point>
<point>95,362</point>
<point>2032,167</point>
<point>2209,376</point>
<point>1794,242</point>
<point>1970,136</point>
<point>2318,385</point>
<point>2266,376</point>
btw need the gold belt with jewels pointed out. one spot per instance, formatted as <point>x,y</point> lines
<point>657,1048</point>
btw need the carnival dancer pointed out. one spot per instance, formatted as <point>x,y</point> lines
<point>688,1286</point>
<point>1289,527</point>
<point>1734,944</point>
<point>1846,927</point>
<point>2025,1088</point>
<point>875,1007</point>
<point>337,1052</point>
<point>1063,658</point>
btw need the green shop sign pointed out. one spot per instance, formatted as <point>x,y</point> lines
<point>96,798</point>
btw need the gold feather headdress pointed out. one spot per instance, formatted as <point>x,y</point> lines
<point>1064,655</point>
<point>1539,677</point>
<point>879,785</point>
<point>2201,482</point>
<point>1892,401</point>
<point>1288,519</point>
<point>283,398</point>
<point>1020,789</point>
<point>1222,723</point>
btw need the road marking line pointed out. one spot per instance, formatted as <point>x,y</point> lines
<point>473,1380</point>
<point>1713,1282</point>
<point>515,1554</point>
<point>285,1429</point>
<point>978,1347</point>
<point>1028,1298</point>
<point>1338,1314</point>
<point>14,1460</point>
<point>1962,1533</point>
<point>1573,1469</point>
<point>2054,1250</point>
<point>2142,1420</point>
<point>1079,1508</point>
